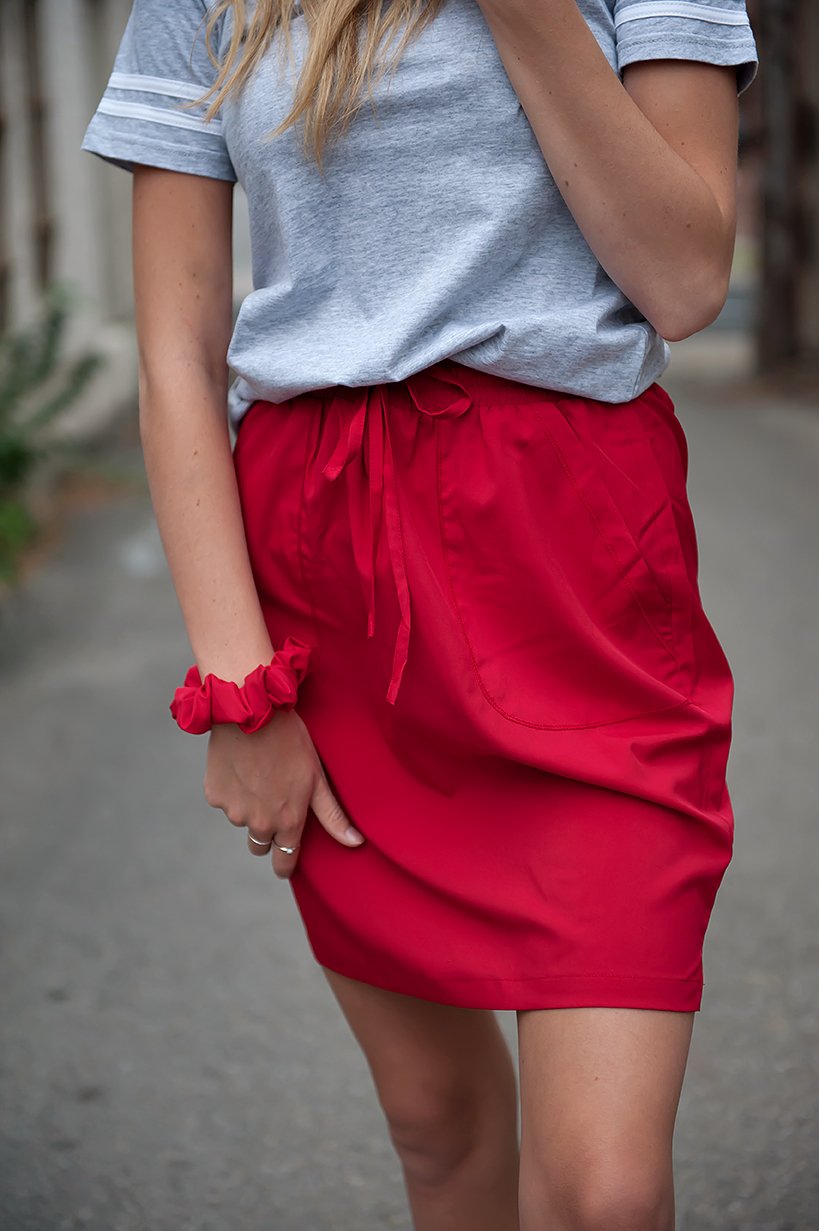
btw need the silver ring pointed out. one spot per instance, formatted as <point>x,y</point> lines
<point>256,842</point>
<point>288,850</point>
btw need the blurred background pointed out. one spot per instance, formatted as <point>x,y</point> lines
<point>170,1055</point>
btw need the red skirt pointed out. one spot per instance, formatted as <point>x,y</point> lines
<point>515,691</point>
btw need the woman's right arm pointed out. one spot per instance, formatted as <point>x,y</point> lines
<point>183,280</point>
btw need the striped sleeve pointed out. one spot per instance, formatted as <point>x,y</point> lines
<point>161,64</point>
<point>716,32</point>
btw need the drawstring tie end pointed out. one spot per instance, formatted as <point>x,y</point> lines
<point>382,496</point>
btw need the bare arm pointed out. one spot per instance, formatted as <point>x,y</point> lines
<point>647,166</point>
<point>183,277</point>
<point>182,252</point>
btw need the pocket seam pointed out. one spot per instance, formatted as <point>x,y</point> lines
<point>525,722</point>
<point>666,588</point>
<point>669,647</point>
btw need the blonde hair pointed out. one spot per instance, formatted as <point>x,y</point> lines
<point>336,69</point>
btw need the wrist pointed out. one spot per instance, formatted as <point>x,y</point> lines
<point>232,663</point>
<point>271,685</point>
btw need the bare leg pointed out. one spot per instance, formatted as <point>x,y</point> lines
<point>599,1089</point>
<point>446,1082</point>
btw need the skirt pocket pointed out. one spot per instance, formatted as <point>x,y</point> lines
<point>560,527</point>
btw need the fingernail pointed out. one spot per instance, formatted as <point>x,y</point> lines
<point>353,835</point>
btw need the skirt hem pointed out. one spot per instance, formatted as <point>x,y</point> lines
<point>540,992</point>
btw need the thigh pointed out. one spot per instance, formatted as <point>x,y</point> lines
<point>429,1061</point>
<point>599,1089</point>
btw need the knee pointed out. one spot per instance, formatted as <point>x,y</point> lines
<point>627,1197</point>
<point>432,1130</point>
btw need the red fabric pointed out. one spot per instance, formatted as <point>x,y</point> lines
<point>383,500</point>
<point>540,768</point>
<point>198,704</point>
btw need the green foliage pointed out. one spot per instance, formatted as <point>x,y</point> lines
<point>30,359</point>
<point>17,528</point>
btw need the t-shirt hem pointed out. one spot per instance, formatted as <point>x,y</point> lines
<point>740,53</point>
<point>125,153</point>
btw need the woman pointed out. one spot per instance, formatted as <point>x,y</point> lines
<point>456,509</point>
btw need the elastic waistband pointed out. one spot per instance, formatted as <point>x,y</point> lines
<point>486,388</point>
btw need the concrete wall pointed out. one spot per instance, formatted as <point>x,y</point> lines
<point>88,202</point>
<point>809,284</point>
<point>86,210</point>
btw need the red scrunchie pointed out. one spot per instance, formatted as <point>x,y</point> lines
<point>199,704</point>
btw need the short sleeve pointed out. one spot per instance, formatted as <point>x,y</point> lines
<point>162,62</point>
<point>717,32</point>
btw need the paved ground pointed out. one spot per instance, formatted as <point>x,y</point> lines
<point>171,1057</point>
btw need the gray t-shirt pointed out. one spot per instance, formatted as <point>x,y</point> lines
<point>438,231</point>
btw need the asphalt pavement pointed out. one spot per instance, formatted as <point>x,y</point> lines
<point>172,1058</point>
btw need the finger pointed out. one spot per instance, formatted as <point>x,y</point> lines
<point>286,843</point>
<point>331,814</point>
<point>284,861</point>
<point>258,845</point>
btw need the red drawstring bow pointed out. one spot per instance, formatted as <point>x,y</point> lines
<point>383,503</point>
